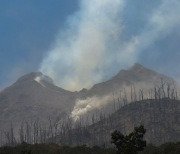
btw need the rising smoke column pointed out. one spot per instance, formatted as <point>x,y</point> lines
<point>161,22</point>
<point>92,47</point>
<point>83,51</point>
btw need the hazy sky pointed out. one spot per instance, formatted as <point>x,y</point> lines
<point>32,32</point>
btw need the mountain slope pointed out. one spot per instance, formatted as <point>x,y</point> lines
<point>138,76</point>
<point>160,118</point>
<point>127,86</point>
<point>32,97</point>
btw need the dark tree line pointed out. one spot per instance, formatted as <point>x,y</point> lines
<point>129,144</point>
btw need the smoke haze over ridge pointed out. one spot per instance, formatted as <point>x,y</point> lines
<point>91,46</point>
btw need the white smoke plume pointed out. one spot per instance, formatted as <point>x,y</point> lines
<point>162,21</point>
<point>83,106</point>
<point>82,52</point>
<point>91,46</point>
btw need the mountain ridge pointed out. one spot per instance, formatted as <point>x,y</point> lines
<point>137,75</point>
<point>34,95</point>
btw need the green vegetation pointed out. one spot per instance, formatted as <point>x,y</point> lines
<point>125,144</point>
<point>129,144</point>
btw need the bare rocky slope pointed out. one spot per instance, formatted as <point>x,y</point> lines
<point>137,76</point>
<point>35,97</point>
<point>127,86</point>
<point>32,97</point>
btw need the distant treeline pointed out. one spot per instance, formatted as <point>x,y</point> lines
<point>24,148</point>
